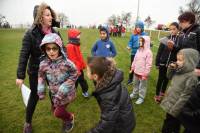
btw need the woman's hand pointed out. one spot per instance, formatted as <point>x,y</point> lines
<point>19,82</point>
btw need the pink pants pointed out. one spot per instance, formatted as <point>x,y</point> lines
<point>60,112</point>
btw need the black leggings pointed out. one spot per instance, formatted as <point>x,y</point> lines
<point>162,80</point>
<point>131,74</point>
<point>83,83</point>
<point>33,99</point>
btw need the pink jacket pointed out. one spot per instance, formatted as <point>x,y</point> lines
<point>143,59</point>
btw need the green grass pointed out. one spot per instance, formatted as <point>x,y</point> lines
<point>149,116</point>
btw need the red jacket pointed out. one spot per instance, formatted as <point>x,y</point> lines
<point>74,54</point>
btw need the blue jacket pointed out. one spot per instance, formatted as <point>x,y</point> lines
<point>104,48</point>
<point>134,42</point>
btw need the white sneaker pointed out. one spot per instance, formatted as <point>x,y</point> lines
<point>139,101</point>
<point>132,96</point>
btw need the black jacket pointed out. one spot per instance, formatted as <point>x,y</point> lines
<point>164,55</point>
<point>30,52</point>
<point>117,114</point>
<point>190,114</point>
<point>190,39</point>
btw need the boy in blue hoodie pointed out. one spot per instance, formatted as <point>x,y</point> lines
<point>104,46</point>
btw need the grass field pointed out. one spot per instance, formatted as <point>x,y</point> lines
<point>149,116</point>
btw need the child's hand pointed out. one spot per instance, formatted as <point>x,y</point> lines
<point>130,71</point>
<point>19,82</point>
<point>128,47</point>
<point>144,77</point>
<point>173,65</point>
<point>41,97</point>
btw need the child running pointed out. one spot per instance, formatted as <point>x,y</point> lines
<point>60,74</point>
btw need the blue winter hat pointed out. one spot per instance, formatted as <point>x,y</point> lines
<point>140,24</point>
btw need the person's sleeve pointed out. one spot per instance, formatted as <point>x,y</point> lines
<point>72,74</point>
<point>185,95</point>
<point>94,49</point>
<point>113,50</point>
<point>130,43</point>
<point>41,80</point>
<point>148,65</point>
<point>159,53</point>
<point>24,55</point>
<point>73,56</point>
<point>109,114</point>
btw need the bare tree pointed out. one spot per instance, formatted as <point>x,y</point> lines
<point>3,22</point>
<point>193,6</point>
<point>63,19</point>
<point>149,22</point>
<point>112,20</point>
<point>126,18</point>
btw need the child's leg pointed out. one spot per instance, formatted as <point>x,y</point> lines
<point>83,82</point>
<point>61,113</point>
<point>161,76</point>
<point>136,85</point>
<point>165,80</point>
<point>142,88</point>
<point>171,124</point>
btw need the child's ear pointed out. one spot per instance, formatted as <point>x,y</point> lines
<point>95,77</point>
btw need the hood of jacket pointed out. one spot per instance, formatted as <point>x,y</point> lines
<point>53,38</point>
<point>73,36</point>
<point>191,59</point>
<point>107,32</point>
<point>147,42</point>
<point>140,24</point>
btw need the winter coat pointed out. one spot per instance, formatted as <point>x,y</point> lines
<point>104,48</point>
<point>60,74</point>
<point>190,113</point>
<point>142,62</point>
<point>117,114</point>
<point>30,52</point>
<point>73,50</point>
<point>183,82</point>
<point>164,55</point>
<point>190,39</point>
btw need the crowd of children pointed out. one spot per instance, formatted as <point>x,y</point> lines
<point>62,69</point>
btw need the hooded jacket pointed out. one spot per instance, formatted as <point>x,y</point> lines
<point>142,62</point>
<point>117,114</point>
<point>134,39</point>
<point>183,82</point>
<point>73,49</point>
<point>105,47</point>
<point>60,74</point>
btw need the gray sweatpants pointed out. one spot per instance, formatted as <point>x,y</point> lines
<point>140,87</point>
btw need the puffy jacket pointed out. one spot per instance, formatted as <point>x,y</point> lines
<point>30,51</point>
<point>190,114</point>
<point>60,74</point>
<point>183,82</point>
<point>142,62</point>
<point>117,114</point>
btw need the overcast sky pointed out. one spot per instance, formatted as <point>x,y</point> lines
<point>85,12</point>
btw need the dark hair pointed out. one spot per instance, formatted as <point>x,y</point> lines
<point>175,24</point>
<point>103,29</point>
<point>35,11</point>
<point>187,16</point>
<point>98,65</point>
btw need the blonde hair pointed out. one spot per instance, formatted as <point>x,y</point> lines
<point>40,11</point>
